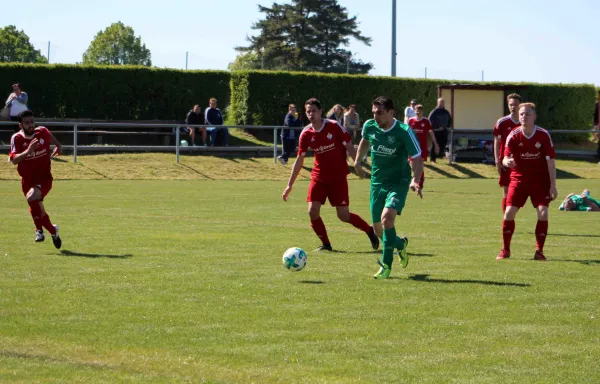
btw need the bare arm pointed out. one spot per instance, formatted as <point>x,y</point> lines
<point>434,141</point>
<point>295,172</point>
<point>552,173</point>
<point>21,156</point>
<point>351,151</point>
<point>417,167</point>
<point>56,143</point>
<point>363,147</point>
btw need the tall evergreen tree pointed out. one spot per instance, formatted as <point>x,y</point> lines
<point>307,35</point>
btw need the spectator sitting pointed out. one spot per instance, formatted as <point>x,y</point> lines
<point>288,136</point>
<point>16,102</point>
<point>194,117</point>
<point>583,202</point>
<point>352,120</point>
<point>213,116</point>
<point>336,113</point>
<point>410,112</point>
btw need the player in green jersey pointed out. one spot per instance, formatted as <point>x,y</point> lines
<point>583,202</point>
<point>392,175</point>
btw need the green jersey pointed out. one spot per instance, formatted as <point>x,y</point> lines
<point>580,203</point>
<point>390,150</point>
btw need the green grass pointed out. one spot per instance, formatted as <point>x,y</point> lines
<point>181,281</point>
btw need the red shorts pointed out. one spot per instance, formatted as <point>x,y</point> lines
<point>336,192</point>
<point>518,192</point>
<point>44,186</point>
<point>504,180</point>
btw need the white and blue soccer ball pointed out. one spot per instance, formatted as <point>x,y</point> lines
<point>294,259</point>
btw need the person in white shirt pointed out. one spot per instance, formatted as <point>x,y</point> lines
<point>410,112</point>
<point>352,120</point>
<point>16,102</point>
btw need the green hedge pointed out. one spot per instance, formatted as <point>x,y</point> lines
<point>115,92</point>
<point>261,97</point>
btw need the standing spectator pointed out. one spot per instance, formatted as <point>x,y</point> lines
<point>352,120</point>
<point>16,102</point>
<point>422,127</point>
<point>336,113</point>
<point>597,126</point>
<point>194,117</point>
<point>441,122</point>
<point>213,116</point>
<point>409,112</point>
<point>288,136</point>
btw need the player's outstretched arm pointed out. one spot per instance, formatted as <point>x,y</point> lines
<point>56,143</point>
<point>295,171</point>
<point>417,167</point>
<point>363,147</point>
<point>552,173</point>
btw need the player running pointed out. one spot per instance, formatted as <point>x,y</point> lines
<point>529,153</point>
<point>422,126</point>
<point>391,143</point>
<point>501,131</point>
<point>30,151</point>
<point>331,144</point>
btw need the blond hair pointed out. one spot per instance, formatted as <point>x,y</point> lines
<point>530,105</point>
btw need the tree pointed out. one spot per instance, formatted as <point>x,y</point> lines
<point>245,61</point>
<point>307,35</point>
<point>16,48</point>
<point>117,45</point>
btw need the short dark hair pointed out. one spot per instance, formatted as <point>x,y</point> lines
<point>385,102</point>
<point>315,102</point>
<point>26,113</point>
<point>352,106</point>
<point>515,96</point>
<point>16,85</point>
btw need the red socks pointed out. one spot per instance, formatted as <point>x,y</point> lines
<point>541,230</point>
<point>503,205</point>
<point>319,227</point>
<point>359,223</point>
<point>508,228</point>
<point>36,213</point>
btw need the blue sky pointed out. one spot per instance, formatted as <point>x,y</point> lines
<point>533,40</point>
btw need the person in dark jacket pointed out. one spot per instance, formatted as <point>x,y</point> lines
<point>289,136</point>
<point>194,117</point>
<point>213,116</point>
<point>441,123</point>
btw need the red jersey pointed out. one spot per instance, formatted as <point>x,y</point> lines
<point>36,166</point>
<point>530,154</point>
<point>329,144</point>
<point>502,129</point>
<point>421,128</point>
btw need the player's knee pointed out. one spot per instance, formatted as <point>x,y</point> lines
<point>387,221</point>
<point>314,213</point>
<point>543,213</point>
<point>343,216</point>
<point>510,213</point>
<point>378,230</point>
<point>33,195</point>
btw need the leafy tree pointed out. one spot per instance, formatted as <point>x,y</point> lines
<point>307,35</point>
<point>117,45</point>
<point>16,48</point>
<point>249,60</point>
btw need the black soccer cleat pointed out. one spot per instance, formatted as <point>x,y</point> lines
<point>324,247</point>
<point>56,239</point>
<point>374,239</point>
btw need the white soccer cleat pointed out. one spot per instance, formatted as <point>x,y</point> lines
<point>39,236</point>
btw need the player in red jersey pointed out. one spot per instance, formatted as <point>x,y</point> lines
<point>332,145</point>
<point>30,152</point>
<point>501,130</point>
<point>422,126</point>
<point>529,153</point>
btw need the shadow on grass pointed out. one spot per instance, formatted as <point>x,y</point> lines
<point>570,235</point>
<point>425,278</point>
<point>421,254</point>
<point>466,171</point>
<point>440,171</point>
<point>562,174</point>
<point>195,171</point>
<point>66,252</point>
<point>583,262</point>
<point>58,160</point>
<point>313,282</point>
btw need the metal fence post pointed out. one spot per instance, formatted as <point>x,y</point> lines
<point>177,143</point>
<point>275,146</point>
<point>75,143</point>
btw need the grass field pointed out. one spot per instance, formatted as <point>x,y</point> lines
<point>181,281</point>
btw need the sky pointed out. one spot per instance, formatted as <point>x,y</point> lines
<point>534,40</point>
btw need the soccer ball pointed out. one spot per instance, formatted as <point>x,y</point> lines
<point>294,259</point>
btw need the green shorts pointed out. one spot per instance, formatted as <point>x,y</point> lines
<point>381,198</point>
